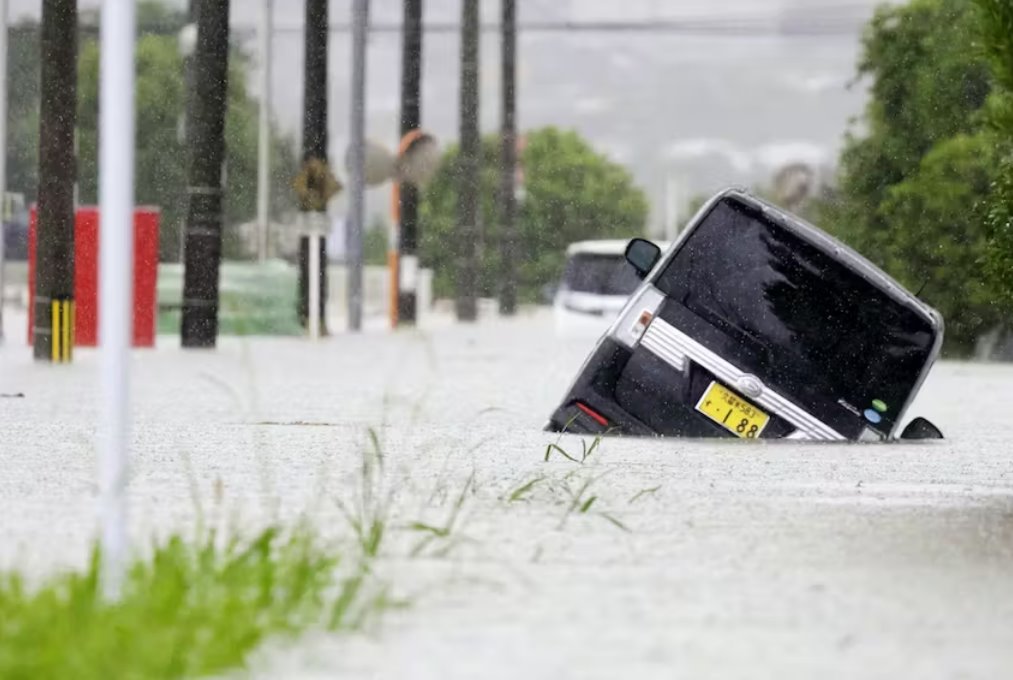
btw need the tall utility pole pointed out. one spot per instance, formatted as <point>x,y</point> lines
<point>357,156</point>
<point>408,193</point>
<point>264,138</point>
<point>508,204</point>
<point>314,152</point>
<point>54,253</point>
<point>469,166</point>
<point>3,155</point>
<point>203,251</point>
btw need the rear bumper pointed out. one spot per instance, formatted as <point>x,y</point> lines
<point>594,389</point>
<point>633,392</point>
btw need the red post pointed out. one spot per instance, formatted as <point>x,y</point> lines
<point>86,249</point>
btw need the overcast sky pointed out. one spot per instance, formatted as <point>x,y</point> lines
<point>753,89</point>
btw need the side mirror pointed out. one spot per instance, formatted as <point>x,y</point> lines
<point>919,428</point>
<point>643,255</point>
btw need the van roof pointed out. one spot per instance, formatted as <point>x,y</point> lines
<point>605,247</point>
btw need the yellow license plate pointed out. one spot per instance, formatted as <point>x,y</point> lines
<point>732,412</point>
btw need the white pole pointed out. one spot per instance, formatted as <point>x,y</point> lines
<point>264,142</point>
<point>357,184</point>
<point>116,242</point>
<point>3,154</point>
<point>314,283</point>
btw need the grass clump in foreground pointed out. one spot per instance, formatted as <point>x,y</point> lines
<point>190,609</point>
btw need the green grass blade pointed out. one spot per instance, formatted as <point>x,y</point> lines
<point>615,522</point>
<point>558,449</point>
<point>520,492</point>
<point>644,492</point>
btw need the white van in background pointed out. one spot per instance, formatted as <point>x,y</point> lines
<point>595,285</point>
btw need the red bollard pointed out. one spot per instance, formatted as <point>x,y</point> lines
<point>86,251</point>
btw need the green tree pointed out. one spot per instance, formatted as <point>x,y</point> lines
<point>937,217</point>
<point>571,193</point>
<point>898,201</point>
<point>23,109</point>
<point>996,18</point>
<point>375,242</point>
<point>161,160</point>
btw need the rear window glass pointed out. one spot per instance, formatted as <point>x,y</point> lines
<point>600,274</point>
<point>814,323</point>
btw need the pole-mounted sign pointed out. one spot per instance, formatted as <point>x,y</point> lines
<point>415,163</point>
<point>315,185</point>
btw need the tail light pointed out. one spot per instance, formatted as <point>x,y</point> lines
<point>637,316</point>
<point>643,321</point>
<point>597,417</point>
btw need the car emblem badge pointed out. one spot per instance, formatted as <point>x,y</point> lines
<point>750,386</point>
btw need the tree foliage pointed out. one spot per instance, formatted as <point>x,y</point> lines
<point>23,95</point>
<point>571,193</point>
<point>997,31</point>
<point>914,181</point>
<point>161,155</point>
<point>937,217</point>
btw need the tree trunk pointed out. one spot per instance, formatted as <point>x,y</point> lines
<point>314,140</point>
<point>203,252</point>
<point>411,119</point>
<point>54,253</point>
<point>469,166</point>
<point>508,207</point>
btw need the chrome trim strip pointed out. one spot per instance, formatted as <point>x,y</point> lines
<point>662,346</point>
<point>674,347</point>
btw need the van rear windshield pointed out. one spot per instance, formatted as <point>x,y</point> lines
<point>600,274</point>
<point>807,321</point>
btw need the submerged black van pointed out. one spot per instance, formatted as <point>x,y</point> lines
<point>755,324</point>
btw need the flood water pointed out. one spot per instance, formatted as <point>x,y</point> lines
<point>696,558</point>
